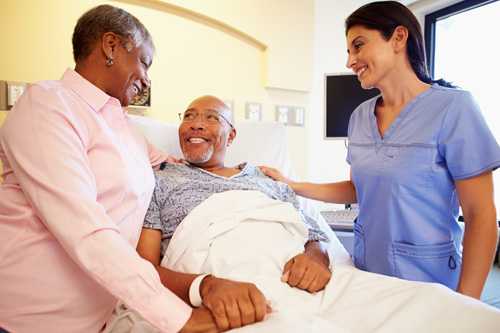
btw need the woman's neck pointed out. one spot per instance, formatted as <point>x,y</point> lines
<point>399,89</point>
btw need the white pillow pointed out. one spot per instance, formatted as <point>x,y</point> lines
<point>260,143</point>
<point>162,135</point>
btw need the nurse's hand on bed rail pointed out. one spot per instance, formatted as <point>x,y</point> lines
<point>309,270</point>
<point>233,304</point>
<point>274,174</point>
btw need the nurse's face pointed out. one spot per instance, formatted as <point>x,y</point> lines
<point>370,56</point>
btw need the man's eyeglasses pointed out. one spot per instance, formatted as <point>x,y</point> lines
<point>209,117</point>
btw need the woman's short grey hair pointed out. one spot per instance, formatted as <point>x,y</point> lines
<point>105,18</point>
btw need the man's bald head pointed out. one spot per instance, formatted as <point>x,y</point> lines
<point>217,104</point>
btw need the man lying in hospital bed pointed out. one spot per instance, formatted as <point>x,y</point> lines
<point>233,227</point>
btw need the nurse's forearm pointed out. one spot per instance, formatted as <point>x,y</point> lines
<point>340,192</point>
<point>480,241</point>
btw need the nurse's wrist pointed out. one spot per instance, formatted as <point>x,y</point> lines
<point>470,293</point>
<point>472,290</point>
<point>296,186</point>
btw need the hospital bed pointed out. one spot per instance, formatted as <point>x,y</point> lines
<point>260,143</point>
<point>354,301</point>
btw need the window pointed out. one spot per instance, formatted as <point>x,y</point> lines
<point>463,47</point>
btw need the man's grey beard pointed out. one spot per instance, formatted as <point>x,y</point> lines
<point>199,158</point>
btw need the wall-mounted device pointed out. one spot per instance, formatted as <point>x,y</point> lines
<point>10,91</point>
<point>290,115</point>
<point>298,117</point>
<point>253,111</point>
<point>343,94</point>
<point>281,114</point>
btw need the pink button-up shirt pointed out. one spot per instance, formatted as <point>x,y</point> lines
<point>77,184</point>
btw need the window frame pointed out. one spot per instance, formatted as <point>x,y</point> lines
<point>430,39</point>
<point>433,17</point>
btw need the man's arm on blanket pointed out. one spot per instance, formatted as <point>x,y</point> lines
<point>309,270</point>
<point>232,304</point>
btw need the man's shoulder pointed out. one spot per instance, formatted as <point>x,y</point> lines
<point>250,169</point>
<point>255,172</point>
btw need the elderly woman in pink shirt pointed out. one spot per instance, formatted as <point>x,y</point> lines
<point>77,184</point>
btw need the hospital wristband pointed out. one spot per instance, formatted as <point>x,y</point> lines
<point>194,291</point>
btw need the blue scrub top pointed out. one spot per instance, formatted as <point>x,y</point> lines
<point>408,205</point>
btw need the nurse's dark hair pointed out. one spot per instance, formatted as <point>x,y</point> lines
<point>385,17</point>
<point>105,18</point>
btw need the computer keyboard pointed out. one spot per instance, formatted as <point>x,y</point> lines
<point>342,219</point>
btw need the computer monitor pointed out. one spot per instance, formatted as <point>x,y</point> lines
<point>343,94</point>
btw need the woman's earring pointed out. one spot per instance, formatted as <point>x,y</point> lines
<point>109,62</point>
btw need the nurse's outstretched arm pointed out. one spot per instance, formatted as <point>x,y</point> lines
<point>481,232</point>
<point>342,192</point>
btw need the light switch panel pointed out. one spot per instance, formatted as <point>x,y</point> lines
<point>298,116</point>
<point>10,92</point>
<point>13,93</point>
<point>253,111</point>
<point>281,114</point>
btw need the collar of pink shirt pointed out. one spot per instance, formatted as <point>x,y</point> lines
<point>92,95</point>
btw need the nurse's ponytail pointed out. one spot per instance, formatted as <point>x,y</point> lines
<point>386,16</point>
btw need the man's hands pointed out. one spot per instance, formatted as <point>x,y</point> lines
<point>233,304</point>
<point>228,304</point>
<point>201,321</point>
<point>309,270</point>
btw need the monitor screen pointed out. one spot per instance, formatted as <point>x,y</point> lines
<point>343,95</point>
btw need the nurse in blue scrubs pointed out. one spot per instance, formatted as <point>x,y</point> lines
<point>417,152</point>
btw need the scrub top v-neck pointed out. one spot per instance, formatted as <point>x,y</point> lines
<point>408,207</point>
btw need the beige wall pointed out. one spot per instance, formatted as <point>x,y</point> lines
<point>284,26</point>
<point>192,57</point>
<point>327,157</point>
<point>3,114</point>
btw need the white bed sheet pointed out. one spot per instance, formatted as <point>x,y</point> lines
<point>246,236</point>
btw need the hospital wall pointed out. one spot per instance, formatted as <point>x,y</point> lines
<point>3,115</point>
<point>326,158</point>
<point>242,51</point>
<point>272,52</point>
